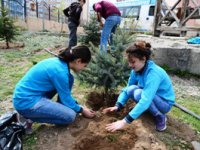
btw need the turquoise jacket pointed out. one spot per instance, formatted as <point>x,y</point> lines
<point>153,81</point>
<point>48,75</point>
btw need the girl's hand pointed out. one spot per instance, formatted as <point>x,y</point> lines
<point>116,125</point>
<point>110,109</point>
<point>88,113</point>
<point>101,25</point>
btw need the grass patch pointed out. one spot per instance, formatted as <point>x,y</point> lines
<point>173,143</point>
<point>192,103</point>
<point>15,63</point>
<point>29,141</point>
<point>180,73</point>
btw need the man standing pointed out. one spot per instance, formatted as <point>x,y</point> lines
<point>73,12</point>
<point>112,17</point>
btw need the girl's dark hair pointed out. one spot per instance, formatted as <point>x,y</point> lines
<point>93,6</point>
<point>83,1</point>
<point>139,49</point>
<point>71,54</point>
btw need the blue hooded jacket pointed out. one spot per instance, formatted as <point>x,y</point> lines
<point>48,75</point>
<point>153,81</point>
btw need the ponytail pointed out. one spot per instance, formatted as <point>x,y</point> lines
<point>71,54</point>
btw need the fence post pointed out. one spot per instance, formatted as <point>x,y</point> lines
<point>25,11</point>
<point>49,13</point>
<point>37,8</point>
<point>2,4</point>
<point>58,15</point>
<point>43,22</point>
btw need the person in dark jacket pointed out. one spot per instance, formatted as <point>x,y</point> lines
<point>73,12</point>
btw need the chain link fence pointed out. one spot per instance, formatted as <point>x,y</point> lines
<point>21,9</point>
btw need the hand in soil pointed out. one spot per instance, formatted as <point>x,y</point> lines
<point>116,125</point>
<point>110,109</point>
<point>88,113</point>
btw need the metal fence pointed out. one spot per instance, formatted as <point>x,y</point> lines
<point>30,8</point>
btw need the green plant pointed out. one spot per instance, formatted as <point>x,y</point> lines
<point>8,30</point>
<point>180,73</point>
<point>191,103</point>
<point>109,70</point>
<point>92,32</point>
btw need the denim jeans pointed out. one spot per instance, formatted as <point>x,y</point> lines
<point>48,111</point>
<point>158,105</point>
<point>108,28</point>
<point>72,33</point>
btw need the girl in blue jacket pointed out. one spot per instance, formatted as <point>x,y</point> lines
<point>149,86</point>
<point>33,93</point>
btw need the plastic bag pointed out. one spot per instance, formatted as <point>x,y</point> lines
<point>10,132</point>
<point>194,40</point>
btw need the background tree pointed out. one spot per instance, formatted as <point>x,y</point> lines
<point>8,30</point>
<point>92,32</point>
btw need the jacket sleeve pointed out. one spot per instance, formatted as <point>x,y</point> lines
<point>66,12</point>
<point>61,83</point>
<point>123,97</point>
<point>78,12</point>
<point>148,93</point>
<point>132,79</point>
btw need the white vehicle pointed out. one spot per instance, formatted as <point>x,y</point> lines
<point>137,15</point>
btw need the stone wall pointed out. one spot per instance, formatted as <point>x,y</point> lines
<point>175,52</point>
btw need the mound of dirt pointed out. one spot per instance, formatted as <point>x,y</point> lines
<point>90,134</point>
<point>98,100</point>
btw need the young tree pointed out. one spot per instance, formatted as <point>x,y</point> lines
<point>92,32</point>
<point>109,70</point>
<point>8,30</point>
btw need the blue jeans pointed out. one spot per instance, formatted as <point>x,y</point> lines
<point>108,28</point>
<point>72,34</point>
<point>48,111</point>
<point>158,105</point>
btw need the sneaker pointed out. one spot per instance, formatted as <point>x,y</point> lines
<point>161,122</point>
<point>26,123</point>
<point>21,120</point>
<point>28,127</point>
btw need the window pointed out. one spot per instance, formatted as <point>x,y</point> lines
<point>129,12</point>
<point>151,10</point>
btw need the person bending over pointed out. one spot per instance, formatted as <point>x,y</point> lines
<point>33,93</point>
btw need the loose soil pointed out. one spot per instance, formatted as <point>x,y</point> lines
<point>90,134</point>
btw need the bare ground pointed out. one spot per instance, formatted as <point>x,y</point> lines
<point>90,134</point>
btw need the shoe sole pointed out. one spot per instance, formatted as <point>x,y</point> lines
<point>163,129</point>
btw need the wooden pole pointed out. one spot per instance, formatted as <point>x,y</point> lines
<point>187,111</point>
<point>169,11</point>
<point>157,18</point>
